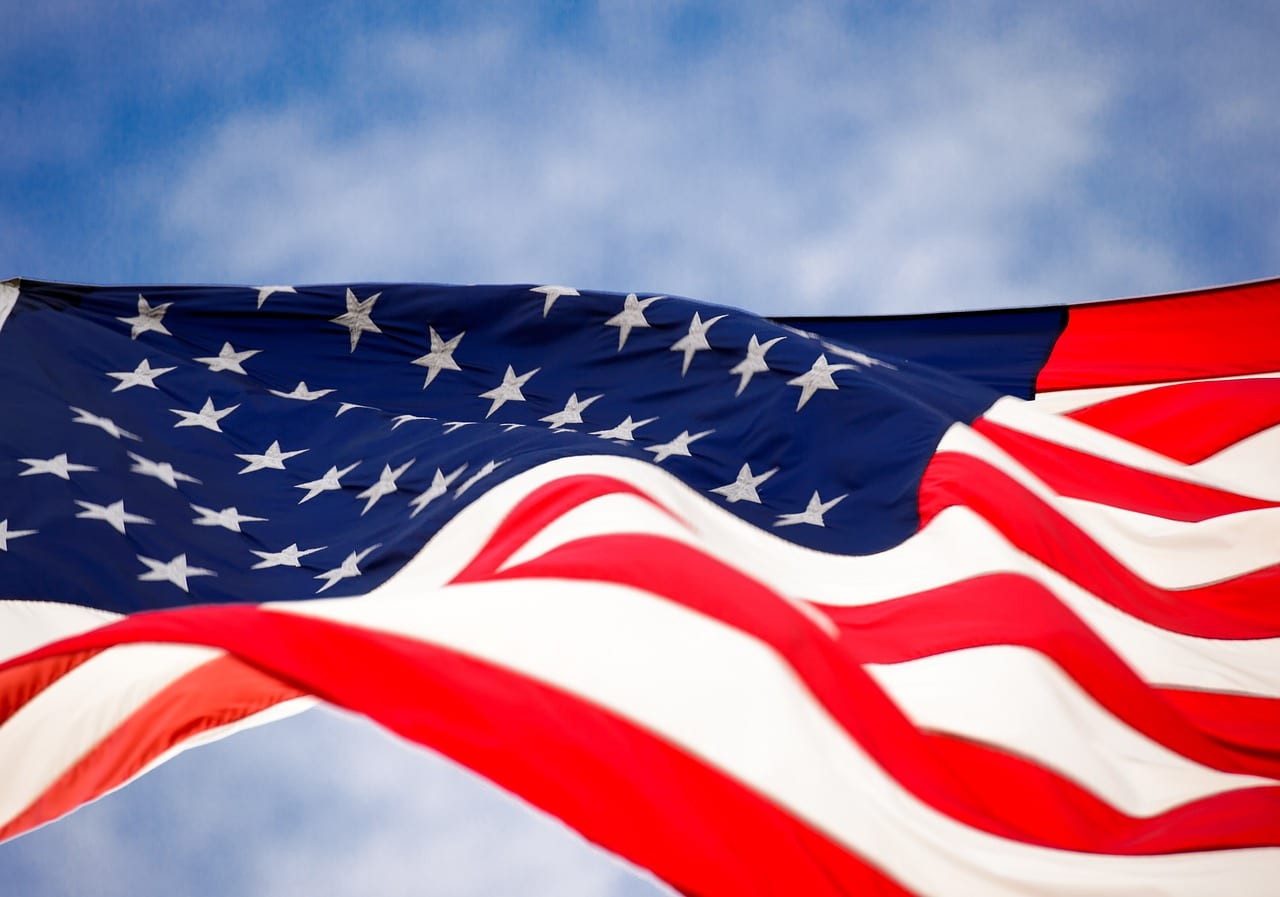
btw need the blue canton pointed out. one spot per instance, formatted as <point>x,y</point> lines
<point>176,445</point>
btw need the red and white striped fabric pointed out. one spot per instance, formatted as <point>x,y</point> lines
<point>1067,683</point>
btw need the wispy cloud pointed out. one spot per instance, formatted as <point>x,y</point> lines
<point>801,159</point>
<point>801,173</point>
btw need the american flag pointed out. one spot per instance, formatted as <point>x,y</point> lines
<point>979,603</point>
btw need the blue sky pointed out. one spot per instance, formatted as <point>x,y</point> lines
<point>788,158</point>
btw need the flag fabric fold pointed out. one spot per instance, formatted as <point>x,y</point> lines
<point>977,603</point>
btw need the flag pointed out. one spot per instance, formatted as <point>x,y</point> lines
<point>979,603</point>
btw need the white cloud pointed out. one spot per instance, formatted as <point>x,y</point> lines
<point>790,175</point>
<point>411,823</point>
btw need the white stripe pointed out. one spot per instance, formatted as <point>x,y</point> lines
<point>617,512</point>
<point>1025,418</point>
<point>1019,701</point>
<point>1254,460</point>
<point>56,728</point>
<point>626,512</point>
<point>957,533</point>
<point>728,699</point>
<point>1170,555</point>
<point>26,625</point>
<point>1065,401</point>
<point>1177,553</point>
<point>957,544</point>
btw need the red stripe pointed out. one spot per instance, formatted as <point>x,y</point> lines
<point>875,722</point>
<point>538,509</point>
<point>1221,731</point>
<point>1244,721</point>
<point>1076,474</point>
<point>622,788</point>
<point>619,786</point>
<point>843,688</point>
<point>1238,608</point>
<point>214,694</point>
<point>19,684</point>
<point>1189,421</point>
<point>1083,822</point>
<point>702,584</point>
<point>1209,333</point>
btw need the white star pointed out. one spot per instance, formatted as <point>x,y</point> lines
<point>508,390</point>
<point>812,514</point>
<point>452,425</point>
<point>286,557</point>
<point>175,571</point>
<point>488,468</point>
<point>798,332</point>
<point>264,293</point>
<point>440,358</point>
<point>744,487</point>
<point>860,357</point>
<point>8,297</point>
<point>143,375</point>
<point>227,359</point>
<point>632,315</point>
<point>553,293</point>
<point>114,514</point>
<point>347,406</point>
<point>401,419</point>
<point>148,318</point>
<point>507,428</point>
<point>572,413</point>
<point>624,430</point>
<point>6,534</point>
<point>695,340</point>
<point>301,392</point>
<point>162,471</point>
<point>350,567</point>
<point>385,486</point>
<point>359,317</point>
<point>105,424</point>
<point>272,458</point>
<point>327,483</point>
<point>754,363</point>
<point>58,465</point>
<point>817,377</point>
<point>440,484</point>
<point>677,446</point>
<point>227,518</point>
<point>206,417</point>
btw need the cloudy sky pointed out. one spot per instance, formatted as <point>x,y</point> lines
<point>857,158</point>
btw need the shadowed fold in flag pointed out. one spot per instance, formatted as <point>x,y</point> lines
<point>978,603</point>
